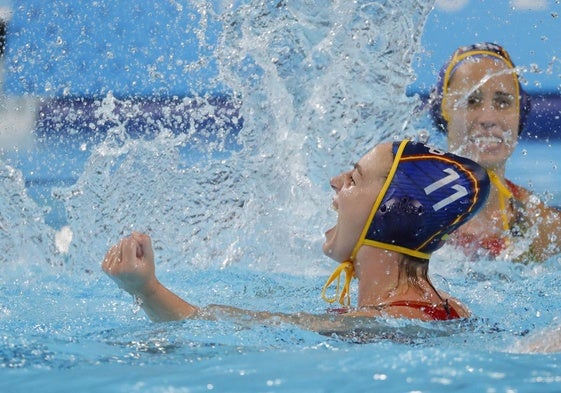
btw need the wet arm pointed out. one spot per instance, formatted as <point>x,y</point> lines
<point>544,227</point>
<point>130,263</point>
<point>161,304</point>
<point>321,323</point>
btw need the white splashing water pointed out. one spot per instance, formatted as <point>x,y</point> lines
<point>317,86</point>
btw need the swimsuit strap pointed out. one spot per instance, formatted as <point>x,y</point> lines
<point>520,223</point>
<point>517,191</point>
<point>438,312</point>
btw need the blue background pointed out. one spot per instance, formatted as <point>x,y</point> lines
<point>531,36</point>
<point>85,48</point>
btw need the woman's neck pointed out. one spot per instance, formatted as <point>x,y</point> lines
<point>379,280</point>
<point>494,200</point>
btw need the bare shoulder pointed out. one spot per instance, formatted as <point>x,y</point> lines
<point>369,312</point>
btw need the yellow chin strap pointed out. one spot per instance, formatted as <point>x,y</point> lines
<point>342,295</point>
<point>504,196</point>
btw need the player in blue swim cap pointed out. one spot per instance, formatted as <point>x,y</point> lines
<point>394,208</point>
<point>419,199</point>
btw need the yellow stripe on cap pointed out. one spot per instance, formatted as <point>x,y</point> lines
<point>400,249</point>
<point>380,198</point>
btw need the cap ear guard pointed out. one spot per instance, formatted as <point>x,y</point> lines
<point>435,103</point>
<point>394,215</point>
<point>525,108</point>
<point>437,93</point>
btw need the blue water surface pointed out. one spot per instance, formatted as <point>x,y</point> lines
<point>77,332</point>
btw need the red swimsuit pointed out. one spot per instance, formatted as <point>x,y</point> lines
<point>436,312</point>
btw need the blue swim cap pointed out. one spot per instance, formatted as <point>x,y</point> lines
<point>485,49</point>
<point>427,195</point>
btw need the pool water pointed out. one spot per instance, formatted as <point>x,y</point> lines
<point>67,329</point>
<point>236,198</point>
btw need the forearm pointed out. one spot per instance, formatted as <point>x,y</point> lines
<point>161,304</point>
<point>314,322</point>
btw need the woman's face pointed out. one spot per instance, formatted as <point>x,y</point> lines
<point>355,194</point>
<point>483,111</point>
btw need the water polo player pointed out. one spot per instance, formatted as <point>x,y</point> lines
<point>479,103</point>
<point>421,196</point>
<point>394,208</point>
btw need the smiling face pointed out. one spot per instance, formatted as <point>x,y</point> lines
<point>483,112</point>
<point>355,193</point>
